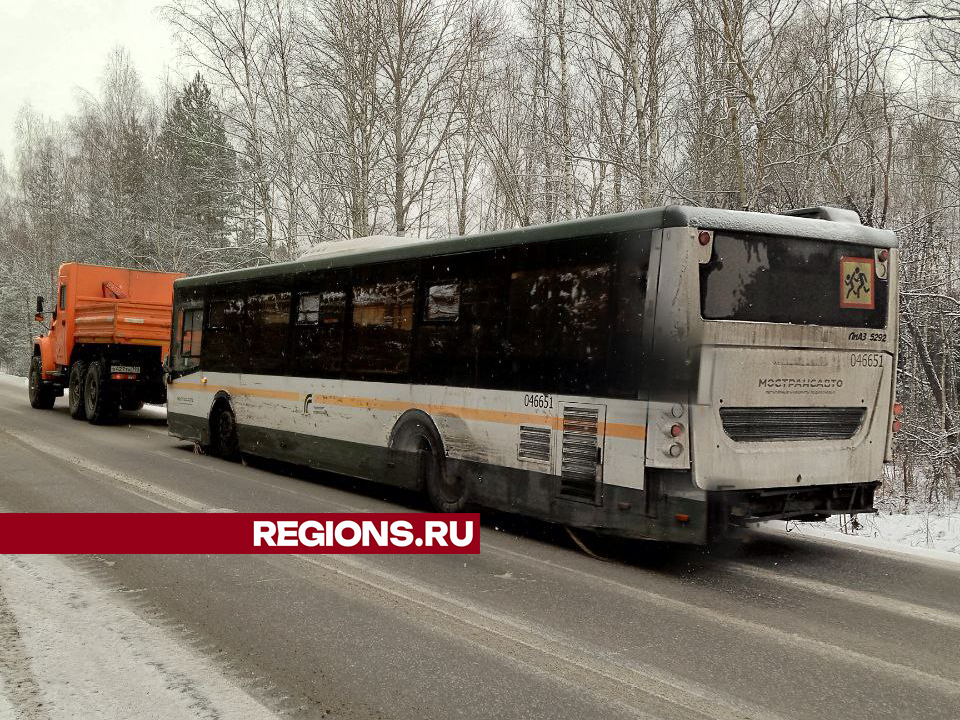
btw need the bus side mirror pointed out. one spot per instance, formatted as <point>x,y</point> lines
<point>39,304</point>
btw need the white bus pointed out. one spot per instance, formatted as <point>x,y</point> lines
<point>663,374</point>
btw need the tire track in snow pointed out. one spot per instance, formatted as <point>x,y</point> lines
<point>93,657</point>
<point>168,499</point>
<point>18,684</point>
<point>859,597</point>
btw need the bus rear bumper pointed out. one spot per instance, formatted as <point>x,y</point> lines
<point>811,503</point>
<point>678,511</point>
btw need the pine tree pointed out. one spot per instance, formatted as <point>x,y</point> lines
<point>201,169</point>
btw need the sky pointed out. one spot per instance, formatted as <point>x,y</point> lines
<point>54,48</point>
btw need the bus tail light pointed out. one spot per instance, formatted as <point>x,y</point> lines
<point>704,238</point>
<point>676,430</point>
<point>898,409</point>
<point>123,376</point>
<point>896,426</point>
<point>681,517</point>
<point>880,267</point>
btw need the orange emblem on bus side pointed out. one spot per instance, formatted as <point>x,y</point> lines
<point>856,283</point>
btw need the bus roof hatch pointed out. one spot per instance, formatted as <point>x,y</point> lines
<point>824,212</point>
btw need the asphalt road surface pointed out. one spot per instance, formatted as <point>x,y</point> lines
<point>768,626</point>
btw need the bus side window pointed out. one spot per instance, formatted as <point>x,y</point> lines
<point>266,328</point>
<point>190,327</point>
<point>442,302</point>
<point>382,325</point>
<point>177,342</point>
<point>625,366</point>
<point>223,347</point>
<point>460,334</point>
<point>319,319</point>
<point>560,316</point>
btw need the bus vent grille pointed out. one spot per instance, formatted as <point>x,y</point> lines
<point>580,456</point>
<point>791,423</point>
<point>534,443</point>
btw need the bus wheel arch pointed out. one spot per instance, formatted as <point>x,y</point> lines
<point>415,438</point>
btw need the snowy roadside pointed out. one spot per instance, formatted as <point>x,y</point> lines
<point>72,648</point>
<point>934,535</point>
<point>933,529</point>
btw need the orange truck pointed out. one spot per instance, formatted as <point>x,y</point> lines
<point>109,333</point>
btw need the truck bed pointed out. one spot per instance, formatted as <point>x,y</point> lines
<point>132,322</point>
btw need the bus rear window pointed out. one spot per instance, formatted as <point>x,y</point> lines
<point>764,278</point>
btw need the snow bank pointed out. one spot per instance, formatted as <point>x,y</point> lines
<point>938,530</point>
<point>72,648</point>
<point>931,534</point>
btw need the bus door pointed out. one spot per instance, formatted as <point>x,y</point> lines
<point>580,448</point>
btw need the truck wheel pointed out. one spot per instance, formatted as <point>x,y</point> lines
<point>78,371</point>
<point>225,442</point>
<point>100,403</point>
<point>131,404</point>
<point>42,396</point>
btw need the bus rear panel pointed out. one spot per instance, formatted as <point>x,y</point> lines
<point>794,399</point>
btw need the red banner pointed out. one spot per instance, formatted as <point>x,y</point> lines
<point>239,533</point>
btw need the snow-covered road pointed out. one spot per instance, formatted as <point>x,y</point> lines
<point>72,647</point>
<point>773,626</point>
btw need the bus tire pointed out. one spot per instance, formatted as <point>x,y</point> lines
<point>78,372</point>
<point>42,396</point>
<point>416,433</point>
<point>446,493</point>
<point>224,442</point>
<point>101,404</point>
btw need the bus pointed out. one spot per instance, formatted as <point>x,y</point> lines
<point>667,373</point>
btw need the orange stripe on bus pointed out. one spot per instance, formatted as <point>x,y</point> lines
<point>626,430</point>
<point>622,430</point>
<point>243,391</point>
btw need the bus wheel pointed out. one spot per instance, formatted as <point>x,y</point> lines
<point>446,493</point>
<point>100,404</point>
<point>78,370</point>
<point>225,443</point>
<point>42,396</point>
